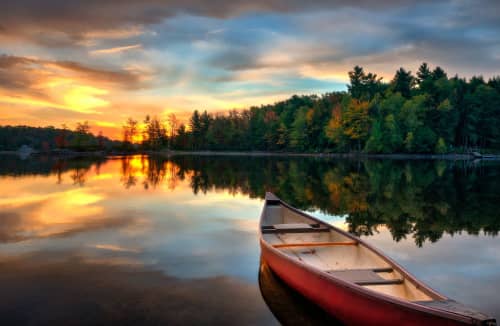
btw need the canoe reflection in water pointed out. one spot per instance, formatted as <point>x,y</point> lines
<point>286,304</point>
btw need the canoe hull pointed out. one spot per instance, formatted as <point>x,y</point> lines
<point>342,302</point>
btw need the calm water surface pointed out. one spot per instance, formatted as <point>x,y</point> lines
<point>153,240</point>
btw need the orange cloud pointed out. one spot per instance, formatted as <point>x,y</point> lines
<point>61,85</point>
<point>117,49</point>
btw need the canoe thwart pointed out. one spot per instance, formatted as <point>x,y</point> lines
<point>364,277</point>
<point>294,228</point>
<point>315,244</point>
<point>375,270</point>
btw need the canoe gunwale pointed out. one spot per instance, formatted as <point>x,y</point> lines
<point>357,289</point>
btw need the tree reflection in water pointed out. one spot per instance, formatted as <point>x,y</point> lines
<point>421,199</point>
<point>424,199</point>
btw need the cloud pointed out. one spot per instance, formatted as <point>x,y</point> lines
<point>117,49</point>
<point>63,85</point>
<point>24,72</point>
<point>326,45</point>
<point>62,23</point>
<point>115,248</point>
<point>17,227</point>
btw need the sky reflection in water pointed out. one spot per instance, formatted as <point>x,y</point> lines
<point>152,240</point>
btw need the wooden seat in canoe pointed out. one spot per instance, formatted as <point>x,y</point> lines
<point>364,277</point>
<point>315,244</point>
<point>294,228</point>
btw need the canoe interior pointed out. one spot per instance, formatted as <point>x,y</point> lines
<point>328,250</point>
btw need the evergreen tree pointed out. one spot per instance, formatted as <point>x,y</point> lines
<point>356,78</point>
<point>196,129</point>
<point>423,73</point>
<point>424,78</point>
<point>363,86</point>
<point>403,82</point>
<point>438,73</point>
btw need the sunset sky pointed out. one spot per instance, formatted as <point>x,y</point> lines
<point>64,61</point>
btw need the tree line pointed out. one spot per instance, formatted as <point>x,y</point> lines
<point>426,112</point>
<point>50,138</point>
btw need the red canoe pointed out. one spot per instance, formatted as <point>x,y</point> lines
<point>347,277</point>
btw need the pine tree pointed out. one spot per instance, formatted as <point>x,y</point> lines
<point>403,82</point>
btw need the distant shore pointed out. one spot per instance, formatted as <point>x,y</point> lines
<point>396,156</point>
<point>356,155</point>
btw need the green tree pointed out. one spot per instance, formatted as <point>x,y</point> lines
<point>424,78</point>
<point>83,140</point>
<point>298,137</point>
<point>441,146</point>
<point>439,73</point>
<point>363,86</point>
<point>181,138</point>
<point>391,136</point>
<point>196,129</point>
<point>375,141</point>
<point>403,82</point>
<point>356,78</point>
<point>205,121</point>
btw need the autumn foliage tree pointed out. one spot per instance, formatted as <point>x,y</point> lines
<point>356,122</point>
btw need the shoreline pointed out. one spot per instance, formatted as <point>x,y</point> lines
<point>167,153</point>
<point>395,156</point>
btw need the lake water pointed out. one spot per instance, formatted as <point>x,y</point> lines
<point>141,240</point>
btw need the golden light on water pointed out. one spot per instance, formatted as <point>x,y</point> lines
<point>82,199</point>
<point>138,164</point>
